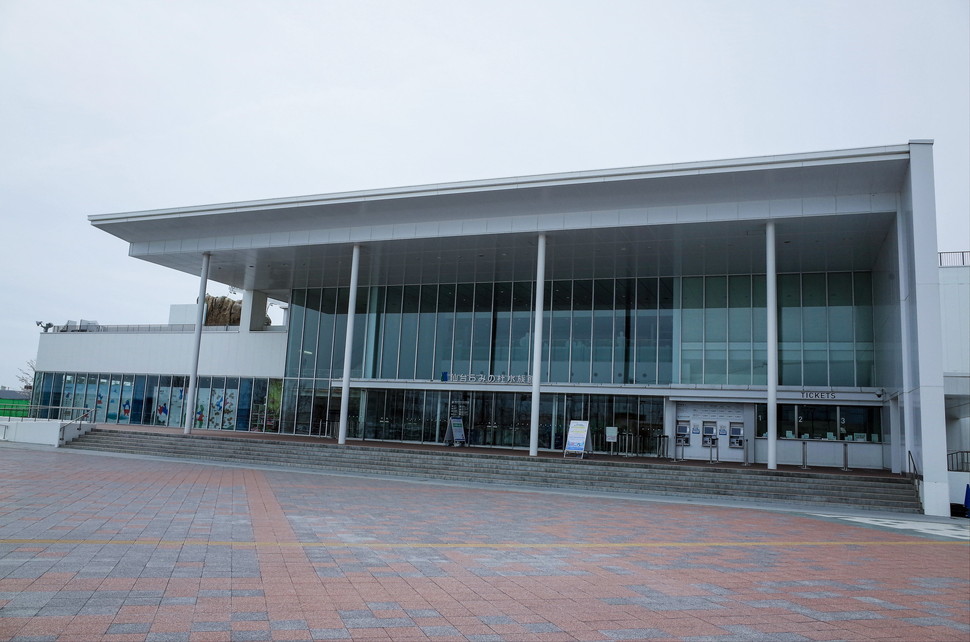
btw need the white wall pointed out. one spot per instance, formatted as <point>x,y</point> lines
<point>241,354</point>
<point>955,296</point>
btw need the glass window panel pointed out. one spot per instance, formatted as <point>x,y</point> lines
<point>603,334</point>
<point>715,366</point>
<point>842,368</point>
<point>357,348</point>
<point>409,331</point>
<point>840,289</point>
<point>816,422</point>
<point>138,400</point>
<point>759,367</point>
<point>787,428</point>
<point>864,367</point>
<point>715,325</point>
<point>863,306</point>
<point>425,366</point>
<point>244,405</point>
<point>521,341</point>
<point>715,292</point>
<point>816,368</point>
<point>813,290</point>
<point>692,292</point>
<point>739,367</point>
<point>623,323</point>
<point>501,324</point>
<point>789,302</point>
<point>327,343</point>
<point>790,366</point>
<point>739,326</point>
<point>463,327</point>
<point>666,293</point>
<point>692,366</point>
<point>294,340</point>
<point>311,327</point>
<point>739,291</point>
<point>858,421</point>
<point>340,332</point>
<point>560,328</point>
<point>582,331</point>
<point>444,328</point>
<point>482,329</point>
<point>288,406</point>
<point>392,332</point>
<point>124,409</point>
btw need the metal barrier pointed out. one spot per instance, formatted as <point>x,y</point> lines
<point>845,456</point>
<point>958,461</point>
<point>714,451</point>
<point>744,446</point>
<point>804,465</point>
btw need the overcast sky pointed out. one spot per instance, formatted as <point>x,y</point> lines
<point>109,106</point>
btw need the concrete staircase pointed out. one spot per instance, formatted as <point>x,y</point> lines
<point>882,493</point>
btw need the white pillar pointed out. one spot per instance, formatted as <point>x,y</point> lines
<point>253,316</point>
<point>896,450</point>
<point>926,353</point>
<point>349,346</point>
<point>771,283</point>
<point>196,344</point>
<point>537,345</point>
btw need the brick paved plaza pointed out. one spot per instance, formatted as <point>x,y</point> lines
<point>99,547</point>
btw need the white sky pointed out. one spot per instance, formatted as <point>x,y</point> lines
<point>110,106</point>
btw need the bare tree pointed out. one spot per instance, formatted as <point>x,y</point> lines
<point>25,376</point>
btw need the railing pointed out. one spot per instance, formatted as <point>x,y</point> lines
<point>958,461</point>
<point>157,328</point>
<point>954,259</point>
<point>914,475</point>
<point>46,413</point>
<point>79,430</point>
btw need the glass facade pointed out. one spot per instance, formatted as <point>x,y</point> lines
<point>627,334</point>
<point>816,421</point>
<point>224,403</point>
<point>707,330</point>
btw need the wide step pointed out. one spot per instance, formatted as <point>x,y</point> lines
<point>661,478</point>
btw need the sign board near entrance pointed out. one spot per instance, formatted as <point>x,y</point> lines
<point>576,438</point>
<point>611,434</point>
<point>456,430</point>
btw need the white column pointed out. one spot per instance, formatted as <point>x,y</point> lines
<point>196,344</point>
<point>537,345</point>
<point>896,450</point>
<point>253,317</point>
<point>771,283</point>
<point>927,329</point>
<point>907,416</point>
<point>349,346</point>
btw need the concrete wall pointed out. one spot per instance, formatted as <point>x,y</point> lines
<point>241,354</point>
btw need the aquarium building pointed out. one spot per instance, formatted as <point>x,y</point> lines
<point>770,308</point>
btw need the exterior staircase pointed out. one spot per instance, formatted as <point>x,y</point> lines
<point>657,477</point>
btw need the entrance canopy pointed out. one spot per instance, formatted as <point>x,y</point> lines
<point>692,218</point>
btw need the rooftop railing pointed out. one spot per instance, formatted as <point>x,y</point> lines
<point>954,259</point>
<point>157,328</point>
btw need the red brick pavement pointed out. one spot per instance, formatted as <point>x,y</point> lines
<point>102,547</point>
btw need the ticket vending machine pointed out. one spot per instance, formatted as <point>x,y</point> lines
<point>709,434</point>
<point>683,434</point>
<point>736,435</point>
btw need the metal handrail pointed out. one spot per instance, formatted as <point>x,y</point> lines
<point>78,421</point>
<point>958,461</point>
<point>914,475</point>
<point>954,259</point>
<point>46,413</point>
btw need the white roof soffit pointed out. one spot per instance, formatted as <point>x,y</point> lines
<point>138,225</point>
